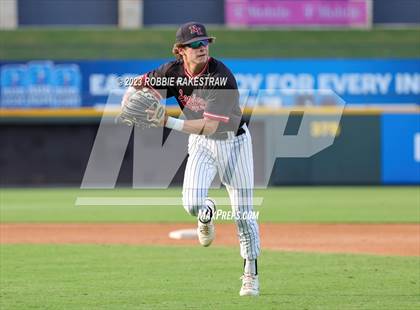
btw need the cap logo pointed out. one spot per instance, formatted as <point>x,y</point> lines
<point>196,29</point>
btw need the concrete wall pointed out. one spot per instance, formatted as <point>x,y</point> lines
<point>8,14</point>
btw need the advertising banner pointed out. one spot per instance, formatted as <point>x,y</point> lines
<point>401,149</point>
<point>40,84</point>
<point>76,84</point>
<point>303,13</point>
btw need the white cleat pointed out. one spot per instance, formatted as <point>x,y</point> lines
<point>205,231</point>
<point>250,285</point>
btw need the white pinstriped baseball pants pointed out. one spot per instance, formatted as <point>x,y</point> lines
<point>232,159</point>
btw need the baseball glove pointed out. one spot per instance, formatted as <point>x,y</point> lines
<point>142,109</point>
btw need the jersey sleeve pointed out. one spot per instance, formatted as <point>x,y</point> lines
<point>145,80</point>
<point>222,99</point>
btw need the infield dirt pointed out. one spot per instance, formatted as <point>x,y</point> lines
<point>379,239</point>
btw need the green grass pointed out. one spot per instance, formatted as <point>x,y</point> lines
<point>284,204</point>
<point>144,277</point>
<point>130,277</point>
<point>25,44</point>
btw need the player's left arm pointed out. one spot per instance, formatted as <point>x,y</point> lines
<point>217,110</point>
<point>203,126</point>
<point>220,102</point>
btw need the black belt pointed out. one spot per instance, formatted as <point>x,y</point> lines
<point>226,135</point>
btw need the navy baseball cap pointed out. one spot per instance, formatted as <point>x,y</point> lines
<point>191,32</point>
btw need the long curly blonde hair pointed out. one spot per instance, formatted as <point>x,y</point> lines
<point>175,50</point>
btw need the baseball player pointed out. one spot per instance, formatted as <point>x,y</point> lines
<point>219,140</point>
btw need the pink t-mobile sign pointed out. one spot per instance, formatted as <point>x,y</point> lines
<point>353,13</point>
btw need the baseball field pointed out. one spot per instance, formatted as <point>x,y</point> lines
<point>323,248</point>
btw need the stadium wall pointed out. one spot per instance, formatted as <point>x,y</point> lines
<point>388,12</point>
<point>67,13</point>
<point>369,148</point>
<point>167,12</point>
<point>50,112</point>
